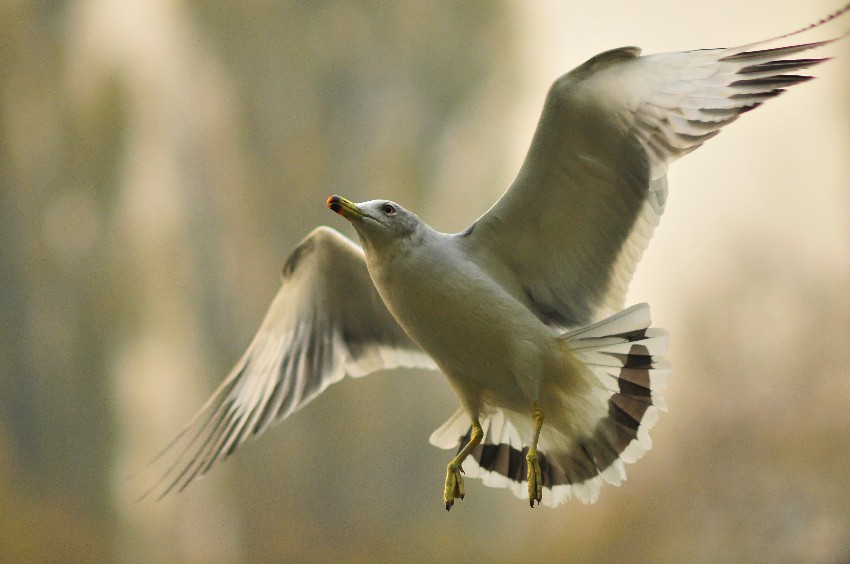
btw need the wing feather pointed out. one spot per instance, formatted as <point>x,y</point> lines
<point>567,235</point>
<point>326,321</point>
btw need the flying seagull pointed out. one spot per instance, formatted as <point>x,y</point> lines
<point>522,311</point>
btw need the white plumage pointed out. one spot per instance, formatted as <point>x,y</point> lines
<point>508,309</point>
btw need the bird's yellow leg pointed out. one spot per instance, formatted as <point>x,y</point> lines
<point>454,480</point>
<point>535,478</point>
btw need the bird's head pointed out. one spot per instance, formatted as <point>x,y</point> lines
<point>379,223</point>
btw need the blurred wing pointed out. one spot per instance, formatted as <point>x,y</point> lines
<point>566,236</point>
<point>326,321</point>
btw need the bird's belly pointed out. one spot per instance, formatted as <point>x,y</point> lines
<point>485,341</point>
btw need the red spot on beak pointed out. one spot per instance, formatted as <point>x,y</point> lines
<point>334,205</point>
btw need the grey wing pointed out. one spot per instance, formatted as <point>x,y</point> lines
<point>567,235</point>
<point>326,321</point>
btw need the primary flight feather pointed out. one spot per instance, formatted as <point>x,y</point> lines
<point>522,310</point>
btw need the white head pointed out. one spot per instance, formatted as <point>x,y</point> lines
<point>380,224</point>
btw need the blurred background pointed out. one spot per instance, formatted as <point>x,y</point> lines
<point>159,159</point>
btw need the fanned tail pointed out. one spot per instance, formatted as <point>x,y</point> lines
<point>626,356</point>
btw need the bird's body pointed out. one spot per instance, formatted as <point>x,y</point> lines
<point>505,361</point>
<point>523,310</point>
<point>489,345</point>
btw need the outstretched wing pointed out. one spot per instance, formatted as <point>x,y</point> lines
<point>326,321</point>
<point>566,236</point>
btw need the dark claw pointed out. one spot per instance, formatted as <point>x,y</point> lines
<point>461,497</point>
<point>531,503</point>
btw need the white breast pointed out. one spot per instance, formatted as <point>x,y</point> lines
<point>490,346</point>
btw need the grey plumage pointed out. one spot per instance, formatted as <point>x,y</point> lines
<point>553,256</point>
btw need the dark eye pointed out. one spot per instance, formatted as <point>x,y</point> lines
<point>388,209</point>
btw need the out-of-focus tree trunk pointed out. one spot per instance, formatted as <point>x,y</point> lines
<point>55,435</point>
<point>160,158</point>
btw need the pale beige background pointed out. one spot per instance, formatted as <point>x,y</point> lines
<point>159,161</point>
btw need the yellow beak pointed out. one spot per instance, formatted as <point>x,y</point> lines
<point>345,208</point>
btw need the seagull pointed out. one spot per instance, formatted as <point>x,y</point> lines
<point>522,311</point>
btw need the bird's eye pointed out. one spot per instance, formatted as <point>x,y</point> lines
<point>388,209</point>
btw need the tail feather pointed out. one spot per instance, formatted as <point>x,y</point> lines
<point>626,356</point>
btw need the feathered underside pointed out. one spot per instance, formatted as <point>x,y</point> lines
<point>327,321</point>
<point>626,358</point>
<point>597,166</point>
<point>596,176</point>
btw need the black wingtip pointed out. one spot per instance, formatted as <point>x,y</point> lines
<point>783,65</point>
<point>778,81</point>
